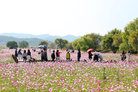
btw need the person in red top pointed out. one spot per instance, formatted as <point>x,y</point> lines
<point>57,55</point>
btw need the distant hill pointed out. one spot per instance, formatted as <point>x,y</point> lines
<point>47,37</point>
<point>31,41</point>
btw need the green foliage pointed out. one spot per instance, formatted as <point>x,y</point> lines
<point>12,44</point>
<point>133,39</point>
<point>52,45</point>
<point>117,40</point>
<point>10,61</point>
<point>114,32</point>
<point>88,41</point>
<point>69,46</point>
<point>61,43</point>
<point>129,36</point>
<point>96,39</point>
<point>123,47</point>
<point>75,44</point>
<point>43,43</point>
<point>84,43</point>
<point>106,42</point>
<point>126,41</point>
<point>112,40</point>
<point>23,44</point>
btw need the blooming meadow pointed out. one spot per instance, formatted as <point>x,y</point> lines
<point>68,76</point>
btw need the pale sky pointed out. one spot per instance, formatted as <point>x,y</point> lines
<point>64,17</point>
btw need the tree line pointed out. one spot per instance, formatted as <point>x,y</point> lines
<point>115,40</point>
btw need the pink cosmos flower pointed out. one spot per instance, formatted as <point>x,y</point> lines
<point>103,89</point>
<point>82,86</point>
<point>28,87</point>
<point>92,89</point>
<point>50,90</point>
<point>98,82</point>
<point>98,89</point>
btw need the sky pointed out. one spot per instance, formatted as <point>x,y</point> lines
<point>66,17</point>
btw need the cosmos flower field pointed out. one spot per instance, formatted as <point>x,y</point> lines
<point>66,76</point>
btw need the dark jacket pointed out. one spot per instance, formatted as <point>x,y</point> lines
<point>45,55</point>
<point>29,53</point>
<point>53,56</point>
<point>79,54</point>
<point>90,55</point>
<point>16,54</point>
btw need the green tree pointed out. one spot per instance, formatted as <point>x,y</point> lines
<point>43,43</point>
<point>52,45</point>
<point>123,47</point>
<point>23,44</point>
<point>84,43</point>
<point>133,39</point>
<point>96,39</point>
<point>117,40</point>
<point>112,40</point>
<point>69,46</point>
<point>61,43</point>
<point>127,37</point>
<point>75,44</point>
<point>12,44</point>
<point>106,42</point>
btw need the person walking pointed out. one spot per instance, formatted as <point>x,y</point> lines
<point>68,56</point>
<point>24,56</point>
<point>90,55</point>
<point>53,55</point>
<point>79,55</point>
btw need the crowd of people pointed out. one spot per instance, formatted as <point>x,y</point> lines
<point>96,56</point>
<point>55,55</point>
<point>26,55</point>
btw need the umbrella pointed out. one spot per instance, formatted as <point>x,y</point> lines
<point>89,50</point>
<point>42,47</point>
